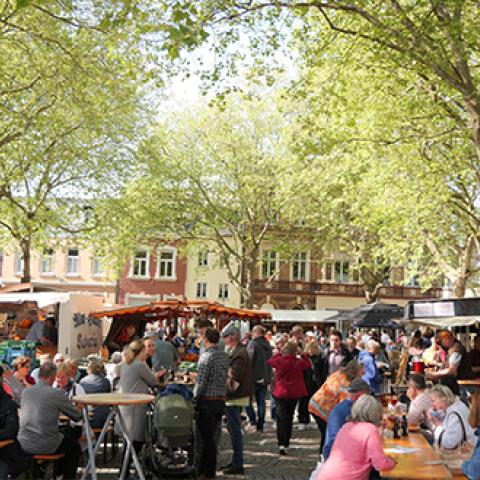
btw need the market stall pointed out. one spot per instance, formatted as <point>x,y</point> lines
<point>173,315</point>
<point>77,334</point>
<point>284,320</point>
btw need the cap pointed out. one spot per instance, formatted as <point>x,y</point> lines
<point>310,334</point>
<point>230,330</point>
<point>358,385</point>
<point>150,334</point>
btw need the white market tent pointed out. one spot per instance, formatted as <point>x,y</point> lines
<point>302,316</point>
<point>448,322</point>
<point>43,299</point>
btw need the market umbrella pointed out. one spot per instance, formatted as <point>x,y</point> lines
<point>371,315</point>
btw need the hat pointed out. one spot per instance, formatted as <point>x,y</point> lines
<point>358,385</point>
<point>150,334</point>
<point>310,334</point>
<point>230,330</point>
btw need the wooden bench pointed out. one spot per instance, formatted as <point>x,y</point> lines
<point>37,460</point>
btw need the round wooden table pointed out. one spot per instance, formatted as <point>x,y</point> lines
<point>114,401</point>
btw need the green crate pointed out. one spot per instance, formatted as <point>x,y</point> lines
<point>18,344</point>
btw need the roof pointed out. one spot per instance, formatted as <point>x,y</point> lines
<point>182,308</point>
<point>43,299</point>
<point>302,316</point>
<point>448,322</point>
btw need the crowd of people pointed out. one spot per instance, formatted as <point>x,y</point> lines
<point>337,382</point>
<point>330,382</point>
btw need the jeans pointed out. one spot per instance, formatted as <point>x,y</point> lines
<point>234,427</point>
<point>4,471</point>
<point>273,407</point>
<point>209,418</point>
<point>137,446</point>
<point>285,412</point>
<point>260,397</point>
<point>322,426</point>
<point>303,413</point>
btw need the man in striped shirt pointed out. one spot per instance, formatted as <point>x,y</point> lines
<point>210,391</point>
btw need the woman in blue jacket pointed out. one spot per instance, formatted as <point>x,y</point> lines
<point>471,468</point>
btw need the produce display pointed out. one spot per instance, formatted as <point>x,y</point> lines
<point>187,366</point>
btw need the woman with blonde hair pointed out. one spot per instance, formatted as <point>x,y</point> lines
<point>136,377</point>
<point>449,418</point>
<point>65,382</point>
<point>358,446</point>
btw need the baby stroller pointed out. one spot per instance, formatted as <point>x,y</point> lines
<point>170,449</point>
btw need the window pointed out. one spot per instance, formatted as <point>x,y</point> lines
<point>97,266</point>
<point>140,264</point>
<point>328,271</point>
<point>299,266</point>
<point>18,264</point>
<point>72,260</point>
<point>269,263</point>
<point>166,263</point>
<point>47,261</point>
<point>342,271</point>
<point>414,281</point>
<point>203,258</point>
<point>275,219</point>
<point>223,291</point>
<point>411,270</point>
<point>201,290</point>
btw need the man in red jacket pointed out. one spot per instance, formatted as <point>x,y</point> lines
<point>289,387</point>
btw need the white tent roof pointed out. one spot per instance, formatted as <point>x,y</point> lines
<point>43,299</point>
<point>448,322</point>
<point>302,316</point>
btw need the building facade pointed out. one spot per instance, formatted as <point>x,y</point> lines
<point>69,268</point>
<point>153,274</point>
<point>311,280</point>
<point>208,280</point>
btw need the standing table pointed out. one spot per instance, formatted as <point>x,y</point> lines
<point>473,382</point>
<point>415,465</point>
<point>114,401</point>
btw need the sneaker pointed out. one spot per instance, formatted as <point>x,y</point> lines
<point>233,470</point>
<point>282,450</point>
<point>302,426</point>
<point>250,429</point>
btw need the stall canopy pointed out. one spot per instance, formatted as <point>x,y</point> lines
<point>43,299</point>
<point>444,313</point>
<point>302,316</point>
<point>371,315</point>
<point>172,311</point>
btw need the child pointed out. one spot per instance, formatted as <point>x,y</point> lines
<point>471,468</point>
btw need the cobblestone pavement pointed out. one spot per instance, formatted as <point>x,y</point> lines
<point>261,456</point>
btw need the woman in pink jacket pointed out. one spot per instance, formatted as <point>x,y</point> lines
<point>289,387</point>
<point>358,446</point>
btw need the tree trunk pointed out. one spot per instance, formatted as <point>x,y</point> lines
<point>372,292</point>
<point>472,105</point>
<point>26,245</point>
<point>250,263</point>
<point>460,286</point>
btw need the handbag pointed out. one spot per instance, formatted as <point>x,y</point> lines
<point>454,457</point>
